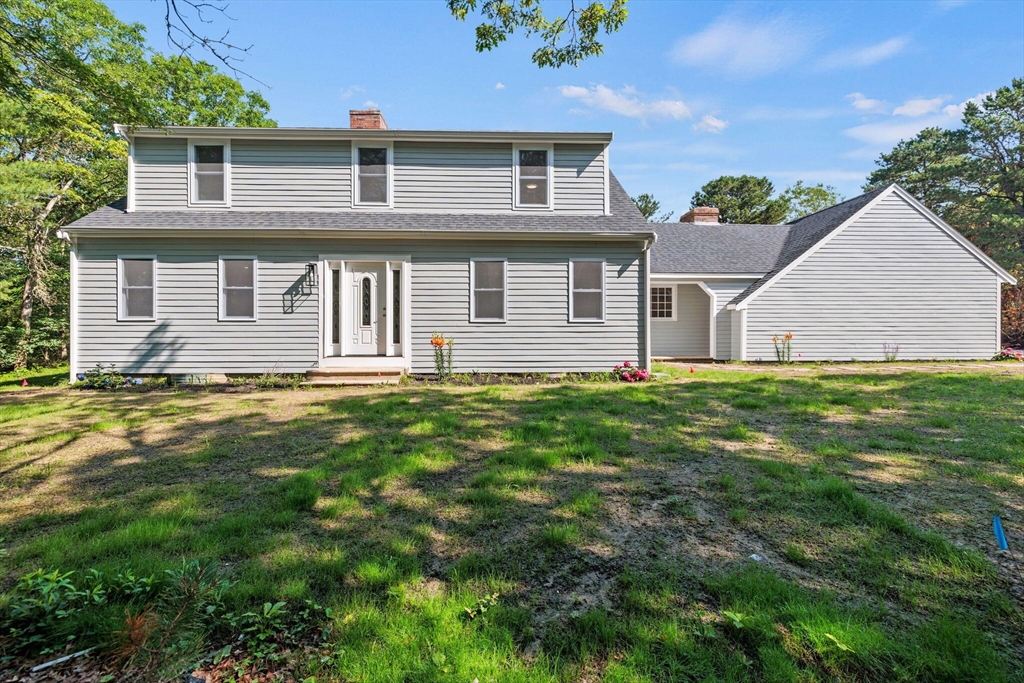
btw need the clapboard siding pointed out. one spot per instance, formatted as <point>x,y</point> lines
<point>187,337</point>
<point>161,174</point>
<point>725,291</point>
<point>428,177</point>
<point>537,336</point>
<point>475,178</point>
<point>579,179</point>
<point>891,277</point>
<point>688,336</point>
<point>291,175</point>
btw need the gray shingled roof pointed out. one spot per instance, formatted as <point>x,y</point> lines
<point>625,217</point>
<point>713,248</point>
<point>808,231</point>
<point>733,248</point>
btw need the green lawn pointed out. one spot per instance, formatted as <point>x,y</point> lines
<point>549,533</point>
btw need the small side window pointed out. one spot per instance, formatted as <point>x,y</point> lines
<point>237,288</point>
<point>487,296</point>
<point>663,303</point>
<point>137,288</point>
<point>586,291</point>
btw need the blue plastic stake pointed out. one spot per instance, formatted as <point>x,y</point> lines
<point>997,526</point>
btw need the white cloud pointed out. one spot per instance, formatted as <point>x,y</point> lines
<point>919,106</point>
<point>711,124</point>
<point>370,103</point>
<point>499,86</point>
<point>907,121</point>
<point>864,104</point>
<point>957,110</point>
<point>864,56</point>
<point>741,47</point>
<point>351,91</point>
<point>624,102</point>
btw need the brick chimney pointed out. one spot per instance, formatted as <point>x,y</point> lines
<point>366,119</point>
<point>700,214</point>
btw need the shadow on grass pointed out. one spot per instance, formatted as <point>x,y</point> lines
<point>611,520</point>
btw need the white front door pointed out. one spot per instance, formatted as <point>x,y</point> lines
<point>365,333</point>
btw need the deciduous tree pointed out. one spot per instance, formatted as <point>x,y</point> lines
<point>567,39</point>
<point>804,200</point>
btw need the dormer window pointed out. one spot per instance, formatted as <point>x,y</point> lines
<point>372,175</point>
<point>209,173</point>
<point>533,178</point>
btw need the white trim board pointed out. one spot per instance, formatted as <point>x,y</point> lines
<point>712,331</point>
<point>368,134</point>
<point>707,276</point>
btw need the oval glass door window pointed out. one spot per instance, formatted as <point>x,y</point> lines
<point>366,300</point>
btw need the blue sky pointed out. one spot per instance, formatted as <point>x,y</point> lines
<point>692,90</point>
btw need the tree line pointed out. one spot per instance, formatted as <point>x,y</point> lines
<point>69,70</point>
<point>972,177</point>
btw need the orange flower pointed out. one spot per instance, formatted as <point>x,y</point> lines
<point>437,340</point>
<point>789,336</point>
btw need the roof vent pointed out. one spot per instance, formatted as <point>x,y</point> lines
<point>700,214</point>
<point>366,119</point>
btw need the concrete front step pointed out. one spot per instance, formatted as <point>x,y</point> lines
<point>353,376</point>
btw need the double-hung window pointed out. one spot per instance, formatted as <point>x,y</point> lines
<point>136,298</point>
<point>209,173</point>
<point>586,291</point>
<point>533,178</point>
<point>237,288</point>
<point>373,175</point>
<point>488,289</point>
<point>663,302</point>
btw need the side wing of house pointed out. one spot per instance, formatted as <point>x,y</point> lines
<point>891,276</point>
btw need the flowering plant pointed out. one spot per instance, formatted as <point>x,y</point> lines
<point>442,360</point>
<point>1009,354</point>
<point>627,372</point>
<point>783,347</point>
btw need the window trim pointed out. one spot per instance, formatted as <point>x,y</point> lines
<point>221,304</point>
<point>375,144</point>
<point>516,205</point>
<point>193,202</point>
<point>122,315</point>
<point>472,289</point>
<point>675,307</point>
<point>604,290</point>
